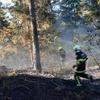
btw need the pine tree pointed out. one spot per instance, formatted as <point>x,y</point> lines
<point>35,36</point>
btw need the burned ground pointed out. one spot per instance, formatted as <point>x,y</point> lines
<point>27,87</point>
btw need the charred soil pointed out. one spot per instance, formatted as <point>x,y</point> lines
<point>28,87</point>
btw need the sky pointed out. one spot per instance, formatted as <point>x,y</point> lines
<point>5,1</point>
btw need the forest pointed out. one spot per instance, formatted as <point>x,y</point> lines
<point>32,35</point>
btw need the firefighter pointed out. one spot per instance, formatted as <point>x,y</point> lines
<point>81,59</point>
<point>60,49</point>
<point>62,54</point>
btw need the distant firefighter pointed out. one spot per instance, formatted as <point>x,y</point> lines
<point>80,66</point>
<point>60,50</point>
<point>62,54</point>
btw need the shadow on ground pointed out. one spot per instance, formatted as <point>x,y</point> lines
<point>26,87</point>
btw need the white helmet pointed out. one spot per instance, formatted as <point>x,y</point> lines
<point>77,48</point>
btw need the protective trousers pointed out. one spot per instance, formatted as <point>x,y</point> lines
<point>78,75</point>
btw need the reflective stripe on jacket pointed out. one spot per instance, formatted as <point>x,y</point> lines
<point>79,61</point>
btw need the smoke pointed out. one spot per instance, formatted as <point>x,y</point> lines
<point>52,59</point>
<point>19,57</point>
<point>16,57</point>
<point>68,32</point>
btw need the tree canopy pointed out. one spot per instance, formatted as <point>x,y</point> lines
<point>54,18</point>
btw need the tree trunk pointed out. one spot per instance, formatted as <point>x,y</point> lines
<point>35,37</point>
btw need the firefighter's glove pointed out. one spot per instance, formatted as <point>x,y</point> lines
<point>74,66</point>
<point>86,58</point>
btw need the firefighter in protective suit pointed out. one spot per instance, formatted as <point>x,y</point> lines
<point>80,66</point>
<point>62,54</point>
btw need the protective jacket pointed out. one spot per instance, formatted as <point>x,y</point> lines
<point>81,59</point>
